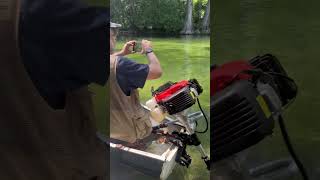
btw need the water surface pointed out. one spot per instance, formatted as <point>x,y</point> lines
<point>182,58</point>
<point>291,31</point>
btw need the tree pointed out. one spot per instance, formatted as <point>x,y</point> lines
<point>206,19</point>
<point>155,16</point>
<point>188,25</point>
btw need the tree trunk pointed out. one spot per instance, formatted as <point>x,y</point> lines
<point>188,28</point>
<point>206,20</point>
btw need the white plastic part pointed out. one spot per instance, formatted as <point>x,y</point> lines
<point>151,104</point>
<point>271,97</point>
<point>156,112</point>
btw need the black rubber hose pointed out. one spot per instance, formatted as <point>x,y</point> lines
<point>287,141</point>
<point>205,117</point>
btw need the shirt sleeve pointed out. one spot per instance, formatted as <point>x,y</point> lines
<point>73,36</point>
<point>131,75</point>
<point>64,45</point>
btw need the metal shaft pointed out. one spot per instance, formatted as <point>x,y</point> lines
<point>183,119</point>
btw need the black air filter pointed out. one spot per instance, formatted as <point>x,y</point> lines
<point>239,119</point>
<point>179,102</point>
<point>287,90</point>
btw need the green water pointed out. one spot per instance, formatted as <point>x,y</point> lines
<point>291,31</point>
<point>101,107</point>
<point>182,58</point>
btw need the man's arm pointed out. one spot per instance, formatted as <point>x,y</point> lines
<point>155,70</point>
<point>125,49</point>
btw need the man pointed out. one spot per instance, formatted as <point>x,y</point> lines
<point>129,122</point>
<point>55,38</point>
<point>63,45</point>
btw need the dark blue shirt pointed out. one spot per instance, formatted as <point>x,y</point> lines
<point>131,75</point>
<point>64,45</point>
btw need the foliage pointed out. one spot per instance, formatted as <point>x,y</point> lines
<point>199,9</point>
<point>104,3</point>
<point>149,15</point>
<point>165,16</point>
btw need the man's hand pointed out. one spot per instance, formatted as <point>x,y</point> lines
<point>145,44</point>
<point>155,70</point>
<point>126,49</point>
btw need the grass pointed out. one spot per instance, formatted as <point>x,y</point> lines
<point>183,58</point>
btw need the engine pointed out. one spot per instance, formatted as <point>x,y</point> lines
<point>246,99</point>
<point>172,98</point>
<point>176,97</point>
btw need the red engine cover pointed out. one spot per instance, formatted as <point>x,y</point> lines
<point>171,90</point>
<point>222,75</point>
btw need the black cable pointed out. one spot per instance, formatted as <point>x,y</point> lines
<point>287,78</point>
<point>248,72</point>
<point>205,117</point>
<point>287,141</point>
<point>284,132</point>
